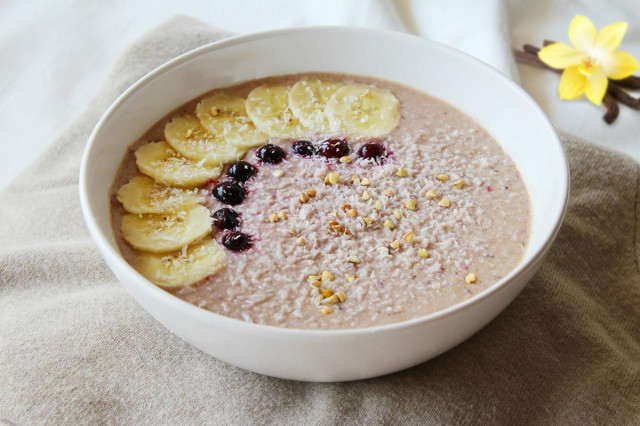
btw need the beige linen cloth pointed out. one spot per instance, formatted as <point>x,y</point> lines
<point>75,348</point>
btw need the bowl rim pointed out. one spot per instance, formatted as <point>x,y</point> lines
<point>131,275</point>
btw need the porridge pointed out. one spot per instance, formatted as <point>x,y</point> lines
<point>320,201</point>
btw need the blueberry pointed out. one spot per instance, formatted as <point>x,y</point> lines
<point>226,218</point>
<point>334,148</point>
<point>371,150</point>
<point>236,241</point>
<point>229,193</point>
<point>270,153</point>
<point>304,148</point>
<point>241,170</point>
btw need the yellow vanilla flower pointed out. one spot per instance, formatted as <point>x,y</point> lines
<point>591,61</point>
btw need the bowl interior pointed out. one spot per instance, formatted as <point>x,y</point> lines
<point>497,103</point>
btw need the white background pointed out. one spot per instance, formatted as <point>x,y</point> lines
<point>55,54</point>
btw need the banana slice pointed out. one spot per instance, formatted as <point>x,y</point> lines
<point>142,195</point>
<point>226,116</point>
<point>181,268</point>
<point>268,108</point>
<point>308,100</point>
<point>167,167</point>
<point>362,109</point>
<point>187,136</point>
<point>160,233</point>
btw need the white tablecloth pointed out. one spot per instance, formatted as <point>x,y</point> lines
<point>55,55</point>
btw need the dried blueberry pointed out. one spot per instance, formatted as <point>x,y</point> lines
<point>334,148</point>
<point>241,170</point>
<point>371,150</point>
<point>304,148</point>
<point>236,241</point>
<point>229,193</point>
<point>226,218</point>
<point>270,153</point>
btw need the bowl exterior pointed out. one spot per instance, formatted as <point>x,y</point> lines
<point>522,130</point>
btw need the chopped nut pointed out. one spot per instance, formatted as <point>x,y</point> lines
<point>278,173</point>
<point>346,232</point>
<point>365,195</point>
<point>304,197</point>
<point>395,244</point>
<point>327,276</point>
<point>333,299</point>
<point>345,159</point>
<point>282,215</point>
<point>336,228</point>
<point>327,310</point>
<point>354,260</point>
<point>408,237</point>
<point>459,184</point>
<point>402,173</point>
<point>345,207</point>
<point>470,278</point>
<point>352,213</point>
<point>325,292</point>
<point>388,224</point>
<point>388,192</point>
<point>382,250</point>
<point>397,213</point>
<point>365,182</point>
<point>301,241</point>
<point>313,278</point>
<point>350,278</point>
<point>342,296</point>
<point>311,192</point>
<point>431,194</point>
<point>316,284</point>
<point>367,221</point>
<point>292,230</point>
<point>423,253</point>
<point>444,202</point>
<point>410,204</point>
<point>273,217</point>
<point>332,178</point>
<point>378,205</point>
<point>442,177</point>
<point>318,299</point>
<point>354,178</point>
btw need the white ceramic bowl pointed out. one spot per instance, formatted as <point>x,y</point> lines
<point>496,102</point>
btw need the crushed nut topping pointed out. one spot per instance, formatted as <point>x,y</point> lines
<point>313,278</point>
<point>350,278</point>
<point>431,194</point>
<point>402,173</point>
<point>282,215</point>
<point>325,292</point>
<point>278,173</point>
<point>442,177</point>
<point>273,217</point>
<point>345,207</point>
<point>459,184</point>
<point>333,299</point>
<point>388,192</point>
<point>311,192</point>
<point>397,213</point>
<point>304,197</point>
<point>365,195</point>
<point>408,237</point>
<point>410,204</point>
<point>382,250</point>
<point>367,221</point>
<point>378,205</point>
<point>365,182</point>
<point>326,310</point>
<point>352,213</point>
<point>301,241</point>
<point>389,225</point>
<point>316,284</point>
<point>332,178</point>
<point>470,278</point>
<point>345,159</point>
<point>327,276</point>
<point>395,244</point>
<point>354,260</point>
<point>423,253</point>
<point>444,202</point>
<point>342,296</point>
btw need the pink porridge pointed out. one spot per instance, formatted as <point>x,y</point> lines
<point>361,203</point>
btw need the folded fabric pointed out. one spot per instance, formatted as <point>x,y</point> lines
<point>75,348</point>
